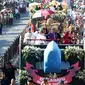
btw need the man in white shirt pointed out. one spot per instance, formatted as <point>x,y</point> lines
<point>27,36</point>
<point>39,36</point>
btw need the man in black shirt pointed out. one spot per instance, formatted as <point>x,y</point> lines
<point>4,80</point>
<point>9,71</point>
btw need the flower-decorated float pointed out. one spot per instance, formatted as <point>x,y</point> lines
<point>56,62</point>
<point>37,61</point>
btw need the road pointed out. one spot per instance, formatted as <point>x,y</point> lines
<point>10,33</point>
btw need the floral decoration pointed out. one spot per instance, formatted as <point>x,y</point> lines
<point>81,75</point>
<point>74,51</point>
<point>32,51</point>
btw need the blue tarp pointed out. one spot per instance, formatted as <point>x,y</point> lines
<point>52,58</point>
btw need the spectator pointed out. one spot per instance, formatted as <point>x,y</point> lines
<point>51,34</point>
<point>9,71</point>
<point>16,13</point>
<point>66,38</point>
<point>12,82</point>
<point>6,18</point>
<point>58,37</point>
<point>42,36</point>
<point>32,27</point>
<point>30,82</point>
<point>61,82</point>
<point>2,18</point>
<point>27,36</point>
<point>4,80</point>
<point>1,26</point>
<point>10,15</point>
<point>45,82</point>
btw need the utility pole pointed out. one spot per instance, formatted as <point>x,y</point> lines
<point>84,41</point>
<point>84,32</point>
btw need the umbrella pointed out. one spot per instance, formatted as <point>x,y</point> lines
<point>33,5</point>
<point>42,13</point>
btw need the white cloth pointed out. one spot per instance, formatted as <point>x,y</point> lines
<point>40,42</point>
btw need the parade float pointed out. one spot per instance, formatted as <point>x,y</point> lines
<point>68,61</point>
<point>53,61</point>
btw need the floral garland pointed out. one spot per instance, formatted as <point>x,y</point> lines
<point>32,51</point>
<point>69,51</point>
<point>74,51</point>
<point>81,75</point>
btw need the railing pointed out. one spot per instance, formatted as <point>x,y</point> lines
<point>61,46</point>
<point>33,43</point>
<point>11,51</point>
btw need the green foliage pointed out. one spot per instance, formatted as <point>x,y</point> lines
<point>31,51</point>
<point>23,74</point>
<point>69,52</point>
<point>81,75</point>
<point>74,51</point>
<point>59,16</point>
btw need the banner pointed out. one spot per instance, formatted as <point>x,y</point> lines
<point>38,79</point>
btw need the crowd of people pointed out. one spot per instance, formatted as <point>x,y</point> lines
<point>7,74</point>
<point>69,32</point>
<point>10,11</point>
<point>45,82</point>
